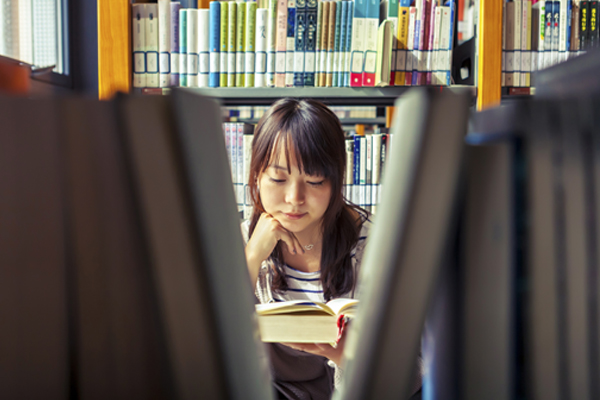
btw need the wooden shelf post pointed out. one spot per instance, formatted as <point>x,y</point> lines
<point>489,71</point>
<point>114,53</point>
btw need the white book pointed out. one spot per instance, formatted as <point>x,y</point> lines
<point>250,44</point>
<point>445,53</point>
<point>260,59</point>
<point>410,44</point>
<point>539,14</point>
<point>369,172</point>
<point>203,47</point>
<point>517,42</point>
<point>435,51</point>
<point>138,44</point>
<point>563,27</point>
<point>362,200</point>
<point>152,71</point>
<point>231,36</point>
<point>247,140</point>
<point>525,43</point>
<point>192,47</point>
<point>164,42</point>
<point>175,7</point>
<point>376,171</point>
<point>510,44</point>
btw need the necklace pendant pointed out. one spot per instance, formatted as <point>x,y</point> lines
<point>309,246</point>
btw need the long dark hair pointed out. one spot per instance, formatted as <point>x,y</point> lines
<point>314,133</point>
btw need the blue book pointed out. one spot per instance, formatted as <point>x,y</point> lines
<point>183,76</point>
<point>336,44</point>
<point>342,45</point>
<point>300,43</point>
<point>356,170</point>
<point>348,48</point>
<point>189,3</point>
<point>310,42</point>
<point>290,43</point>
<point>175,7</point>
<point>214,42</point>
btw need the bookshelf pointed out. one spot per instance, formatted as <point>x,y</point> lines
<point>114,65</point>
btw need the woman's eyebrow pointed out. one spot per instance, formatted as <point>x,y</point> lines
<point>276,166</point>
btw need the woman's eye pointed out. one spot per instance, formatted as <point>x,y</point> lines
<point>277,180</point>
<point>319,183</point>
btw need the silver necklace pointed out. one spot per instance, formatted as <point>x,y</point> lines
<point>309,247</point>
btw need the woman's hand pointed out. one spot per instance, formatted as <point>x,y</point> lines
<point>267,233</point>
<point>334,353</point>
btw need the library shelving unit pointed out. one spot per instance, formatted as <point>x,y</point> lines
<point>114,65</point>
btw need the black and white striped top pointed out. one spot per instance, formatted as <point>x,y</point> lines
<point>304,285</point>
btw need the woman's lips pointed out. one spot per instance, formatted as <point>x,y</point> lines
<point>294,216</point>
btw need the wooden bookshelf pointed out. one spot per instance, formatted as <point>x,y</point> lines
<point>114,47</point>
<point>489,77</point>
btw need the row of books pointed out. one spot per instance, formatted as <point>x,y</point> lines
<point>256,112</point>
<point>292,43</point>
<point>539,34</point>
<point>365,159</point>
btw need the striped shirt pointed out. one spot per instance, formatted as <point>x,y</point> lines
<point>304,285</point>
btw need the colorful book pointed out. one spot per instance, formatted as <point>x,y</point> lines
<point>418,42</point>
<point>348,43</point>
<point>299,43</point>
<point>231,42</point>
<point>330,43</point>
<point>517,42</point>
<point>138,44</point>
<point>224,29</point>
<point>164,42</point>
<point>410,45</point>
<point>335,70</point>
<point>426,77</point>
<point>445,53</point>
<point>214,41</point>
<point>192,47</point>
<point>392,15</point>
<point>271,42</point>
<point>358,43</point>
<point>584,10</point>
<point>290,43</point>
<point>325,25</point>
<point>152,69</point>
<point>556,32</point>
<point>371,32</point>
<point>281,42</point>
<point>183,50</point>
<point>318,49</point>
<point>341,63</point>
<point>203,47</point>
<point>260,65</point>
<point>174,49</point>
<point>310,42</point>
<point>526,44</point>
<point>249,44</point>
<point>240,44</point>
<point>435,51</point>
<point>593,25</point>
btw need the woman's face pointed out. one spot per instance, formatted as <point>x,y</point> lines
<point>298,201</point>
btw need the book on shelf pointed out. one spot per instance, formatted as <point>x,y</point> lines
<point>370,32</point>
<point>138,44</point>
<point>302,321</point>
<point>272,19</point>
<point>214,41</point>
<point>311,41</point>
<point>300,34</point>
<point>330,43</point>
<point>174,43</point>
<point>281,43</point>
<point>250,41</point>
<point>152,68</point>
<point>260,66</point>
<point>358,43</point>
<point>348,43</point>
<point>240,44</point>
<point>383,67</point>
<point>290,43</point>
<point>335,67</point>
<point>203,47</point>
<point>164,42</point>
<point>183,49</point>
<point>192,47</point>
<point>410,47</point>
<point>231,42</point>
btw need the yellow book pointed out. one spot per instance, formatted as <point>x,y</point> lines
<point>402,35</point>
<point>303,321</point>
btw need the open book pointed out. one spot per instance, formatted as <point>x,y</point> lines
<point>303,321</point>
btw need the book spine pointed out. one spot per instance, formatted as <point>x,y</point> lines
<point>203,47</point>
<point>376,172</point>
<point>319,34</point>
<point>138,45</point>
<point>310,43</point>
<point>370,32</point>
<point>584,10</point>
<point>526,44</point>
<point>431,6</point>
<point>324,40</point>
<point>356,186</point>
<point>369,170</point>
<point>183,41</point>
<point>446,45</point>
<point>192,47</point>
<point>555,31</point>
<point>518,12</point>
<point>239,189</point>
<point>548,34</point>
<point>214,40</point>
<point>593,25</point>
<point>174,43</point>
<point>436,66</point>
<point>563,29</point>
<point>248,147</point>
<point>290,43</point>
<point>223,43</point>
<point>348,44</point>
<point>358,43</point>
<point>418,42</point>
<point>240,44</point>
<point>402,45</point>
<point>260,66</point>
<point>299,43</point>
<point>152,71</point>
<point>575,25</point>
<point>330,44</point>
<point>342,44</point>
<point>503,76</point>
<point>250,44</point>
<point>281,43</point>
<point>231,42</point>
<point>410,46</point>
<point>349,176</point>
<point>335,70</point>
<point>392,15</point>
<point>271,42</point>
<point>541,5</point>
<point>362,170</point>
<point>164,42</point>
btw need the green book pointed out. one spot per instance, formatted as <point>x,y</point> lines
<point>231,43</point>
<point>223,43</point>
<point>240,43</point>
<point>250,43</point>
